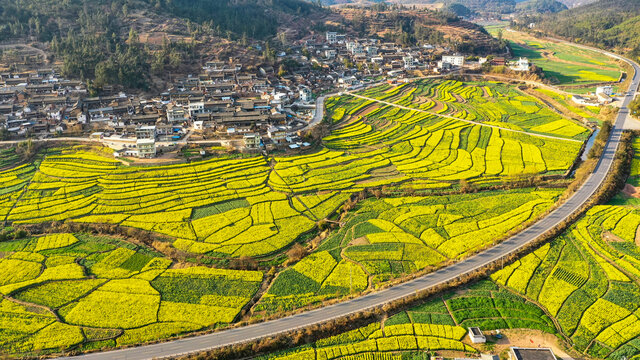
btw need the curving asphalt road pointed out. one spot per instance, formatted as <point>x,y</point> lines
<point>274,327</point>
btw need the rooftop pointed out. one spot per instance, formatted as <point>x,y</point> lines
<point>533,353</point>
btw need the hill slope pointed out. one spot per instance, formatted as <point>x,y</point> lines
<point>46,18</point>
<point>609,23</point>
<point>541,6</point>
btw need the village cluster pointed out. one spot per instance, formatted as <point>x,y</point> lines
<point>224,104</point>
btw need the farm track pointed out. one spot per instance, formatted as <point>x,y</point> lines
<point>510,246</point>
<point>463,120</point>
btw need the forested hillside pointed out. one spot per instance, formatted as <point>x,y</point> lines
<point>99,40</point>
<point>484,6</point>
<point>607,23</point>
<point>541,6</point>
<point>44,19</point>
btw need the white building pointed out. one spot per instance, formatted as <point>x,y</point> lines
<point>408,62</point>
<point>196,108</point>
<point>146,148</point>
<point>252,140</point>
<point>442,65</point>
<point>176,114</point>
<point>348,81</point>
<point>521,65</point>
<point>455,60</point>
<point>583,101</point>
<point>330,53</point>
<point>146,132</point>
<point>278,135</point>
<point>332,37</point>
<point>476,335</point>
<point>377,60</point>
<point>305,94</point>
<point>607,90</point>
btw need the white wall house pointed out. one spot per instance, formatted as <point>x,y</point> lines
<point>521,65</point>
<point>607,90</point>
<point>332,37</point>
<point>476,335</point>
<point>455,60</point>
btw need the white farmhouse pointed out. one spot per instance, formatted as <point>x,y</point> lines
<point>607,90</point>
<point>476,335</point>
<point>332,37</point>
<point>454,60</point>
<point>521,65</point>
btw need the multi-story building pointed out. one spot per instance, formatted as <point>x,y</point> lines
<point>454,60</point>
<point>196,108</point>
<point>332,37</point>
<point>277,135</point>
<point>305,94</point>
<point>176,114</point>
<point>146,132</point>
<point>252,140</point>
<point>146,148</point>
<point>408,62</point>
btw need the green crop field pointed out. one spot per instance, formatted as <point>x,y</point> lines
<point>438,325</point>
<point>566,64</point>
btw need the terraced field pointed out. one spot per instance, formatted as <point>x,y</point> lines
<point>488,103</point>
<point>385,239</point>
<point>588,279</point>
<point>436,326</point>
<point>67,291</point>
<point>583,285</point>
<point>77,291</point>
<point>252,209</point>
<point>235,207</point>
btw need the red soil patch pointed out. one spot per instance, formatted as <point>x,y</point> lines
<point>360,241</point>
<point>438,106</point>
<point>631,191</point>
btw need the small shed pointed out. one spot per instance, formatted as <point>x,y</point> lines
<point>476,335</point>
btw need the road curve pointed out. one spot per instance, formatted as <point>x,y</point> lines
<point>270,328</point>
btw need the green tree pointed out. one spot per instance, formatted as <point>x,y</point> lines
<point>634,107</point>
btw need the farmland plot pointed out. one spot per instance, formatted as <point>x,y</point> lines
<point>387,238</point>
<point>485,102</point>
<point>588,280</point>
<point>438,325</point>
<point>66,291</point>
